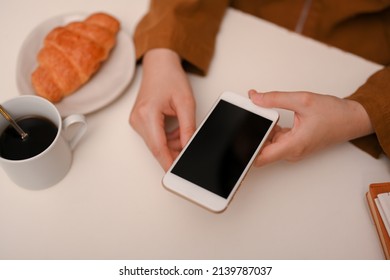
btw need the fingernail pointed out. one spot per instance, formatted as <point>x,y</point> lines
<point>256,95</point>
<point>251,92</point>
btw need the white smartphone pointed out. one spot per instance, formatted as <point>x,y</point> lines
<point>213,164</point>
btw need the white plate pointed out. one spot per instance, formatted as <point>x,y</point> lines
<point>104,87</point>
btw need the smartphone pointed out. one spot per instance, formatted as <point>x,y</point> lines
<point>212,165</point>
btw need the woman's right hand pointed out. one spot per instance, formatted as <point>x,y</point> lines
<point>164,92</point>
<point>320,121</point>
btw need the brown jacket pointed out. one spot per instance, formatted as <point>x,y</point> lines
<point>362,27</point>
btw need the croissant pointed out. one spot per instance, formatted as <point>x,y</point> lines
<point>72,54</point>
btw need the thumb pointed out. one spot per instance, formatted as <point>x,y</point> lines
<point>292,101</point>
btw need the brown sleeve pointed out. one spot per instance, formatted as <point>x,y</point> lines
<point>374,95</point>
<point>187,27</point>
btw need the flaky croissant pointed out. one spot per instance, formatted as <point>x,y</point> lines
<point>72,54</point>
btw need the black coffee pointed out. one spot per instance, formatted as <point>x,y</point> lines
<point>41,133</point>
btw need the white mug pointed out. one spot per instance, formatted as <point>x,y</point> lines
<point>50,166</point>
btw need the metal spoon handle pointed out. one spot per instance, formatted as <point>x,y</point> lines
<point>13,123</point>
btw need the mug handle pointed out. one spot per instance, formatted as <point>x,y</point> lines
<point>74,127</point>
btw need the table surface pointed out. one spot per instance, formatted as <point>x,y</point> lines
<point>111,204</point>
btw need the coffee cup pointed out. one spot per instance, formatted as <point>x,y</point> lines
<point>45,156</point>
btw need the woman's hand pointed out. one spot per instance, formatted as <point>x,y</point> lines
<point>319,121</point>
<point>165,92</point>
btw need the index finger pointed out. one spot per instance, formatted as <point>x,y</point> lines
<point>154,136</point>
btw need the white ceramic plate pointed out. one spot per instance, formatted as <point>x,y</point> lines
<point>104,87</point>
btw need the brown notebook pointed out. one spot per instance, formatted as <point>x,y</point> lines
<point>372,193</point>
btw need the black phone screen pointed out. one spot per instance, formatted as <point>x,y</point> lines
<point>223,147</point>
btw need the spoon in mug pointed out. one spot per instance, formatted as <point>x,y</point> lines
<point>8,117</point>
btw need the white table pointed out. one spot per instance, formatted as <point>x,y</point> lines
<point>111,205</point>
